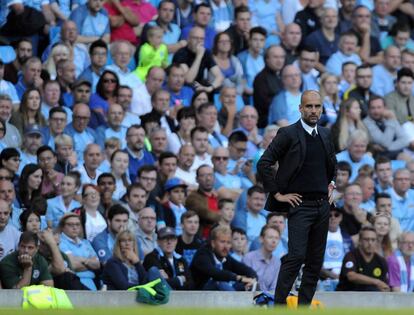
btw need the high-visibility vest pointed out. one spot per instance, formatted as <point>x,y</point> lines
<point>44,297</point>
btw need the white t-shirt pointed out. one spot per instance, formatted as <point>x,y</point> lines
<point>9,239</point>
<point>94,225</point>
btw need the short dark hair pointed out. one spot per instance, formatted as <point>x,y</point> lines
<point>344,166</point>
<point>223,201</point>
<point>382,195</point>
<point>134,126</point>
<point>146,169</point>
<point>185,112</point>
<point>201,5</point>
<point>173,65</point>
<point>200,167</point>
<point>238,136</point>
<point>105,175</point>
<point>274,214</point>
<point>135,186</point>
<point>363,66</point>
<point>255,189</point>
<point>166,155</point>
<point>165,1</point>
<point>24,217</point>
<point>381,159</point>
<point>98,43</point>
<point>308,48</point>
<point>116,210</point>
<point>268,227</point>
<point>198,129</point>
<point>44,148</point>
<point>257,30</point>
<point>404,72</point>
<point>238,230</point>
<point>28,237</point>
<point>366,228</point>
<point>241,9</point>
<point>348,63</point>
<point>188,214</point>
<point>76,176</point>
<point>8,153</point>
<point>57,109</point>
<point>373,98</point>
<point>204,106</point>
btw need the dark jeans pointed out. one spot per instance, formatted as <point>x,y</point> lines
<point>308,229</point>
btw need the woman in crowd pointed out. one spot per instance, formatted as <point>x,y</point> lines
<point>92,220</point>
<point>81,254</point>
<point>330,98</point>
<point>186,122</point>
<point>30,221</point>
<point>124,269</point>
<point>111,145</point>
<point>65,202</point>
<point>106,92</point>
<point>59,52</point>
<point>348,121</point>
<point>229,65</point>
<point>29,112</point>
<point>199,97</point>
<point>119,168</point>
<point>10,161</point>
<point>29,186</point>
<point>382,225</point>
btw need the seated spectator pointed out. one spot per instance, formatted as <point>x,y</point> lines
<point>197,61</point>
<point>400,264</point>
<point>222,176</point>
<point>66,156</point>
<point>348,43</point>
<point>353,216</point>
<point>147,238</point>
<point>173,267</point>
<point>368,189</point>
<point>307,62</point>
<point>124,269</point>
<point>103,243</point>
<point>7,87</point>
<point>204,201</point>
<point>347,79</point>
<point>284,109</point>
<point>382,20</point>
<point>227,211</point>
<point>248,119</point>
<point>325,39</point>
<point>52,180</point>
<point>158,141</point>
<point>29,186</point>
<point>29,112</point>
<point>30,76</point>
<point>387,136</point>
<point>12,137</point>
<point>227,115</point>
<point>182,136</point>
<point>199,140</point>
<point>92,22</point>
<point>136,199</point>
<point>81,134</point>
<point>383,174</point>
<point>148,179</point>
<point>167,165</point>
<point>10,162</point>
<point>238,164</point>
<point>362,268</point>
<point>382,225</point>
<point>106,184</point>
<point>9,235</point>
<point>152,53</point>
<point>201,19</point>
<point>330,98</point>
<point>172,210</point>
<point>79,250</point>
<point>252,219</point>
<point>64,202</point>
<point>189,241</point>
<point>239,243</point>
<point>8,194</point>
<point>92,157</point>
<point>229,64</point>
<point>30,221</point>
<point>119,168</point>
<point>92,220</point>
<point>401,102</point>
<point>57,53</point>
<point>338,243</point>
<point>180,94</point>
<point>18,269</point>
<point>32,141</point>
<point>309,18</point>
<point>66,76</point>
<point>106,92</point>
<point>402,199</point>
<point>239,30</point>
<point>115,129</point>
<point>214,269</point>
<point>252,59</point>
<point>384,74</point>
<point>98,52</point>
<point>356,154</point>
<point>138,156</point>
<point>399,36</point>
<point>124,99</point>
<point>263,261</point>
<point>24,50</point>
<point>51,93</point>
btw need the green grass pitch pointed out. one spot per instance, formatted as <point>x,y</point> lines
<point>156,310</point>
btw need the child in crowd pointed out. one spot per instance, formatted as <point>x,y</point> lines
<point>238,243</point>
<point>226,207</point>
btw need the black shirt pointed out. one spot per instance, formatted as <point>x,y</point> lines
<point>353,261</point>
<point>239,42</point>
<point>308,21</point>
<point>188,250</point>
<point>186,56</point>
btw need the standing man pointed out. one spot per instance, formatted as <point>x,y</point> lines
<point>303,187</point>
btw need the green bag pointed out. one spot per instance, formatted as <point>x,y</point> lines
<point>156,292</point>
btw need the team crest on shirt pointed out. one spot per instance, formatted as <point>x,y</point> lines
<point>334,251</point>
<point>101,253</point>
<point>349,264</point>
<point>36,274</point>
<point>377,272</point>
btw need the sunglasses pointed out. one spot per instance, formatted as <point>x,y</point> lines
<point>109,81</point>
<point>224,158</point>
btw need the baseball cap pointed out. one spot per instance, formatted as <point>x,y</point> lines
<point>166,232</point>
<point>32,129</point>
<point>79,82</point>
<point>173,183</point>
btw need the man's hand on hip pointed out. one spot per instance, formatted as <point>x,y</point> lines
<point>293,199</point>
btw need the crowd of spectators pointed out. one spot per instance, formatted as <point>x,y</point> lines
<point>130,131</point>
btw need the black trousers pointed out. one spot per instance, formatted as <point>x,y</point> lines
<point>307,228</point>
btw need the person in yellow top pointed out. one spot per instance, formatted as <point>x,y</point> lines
<point>152,53</point>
